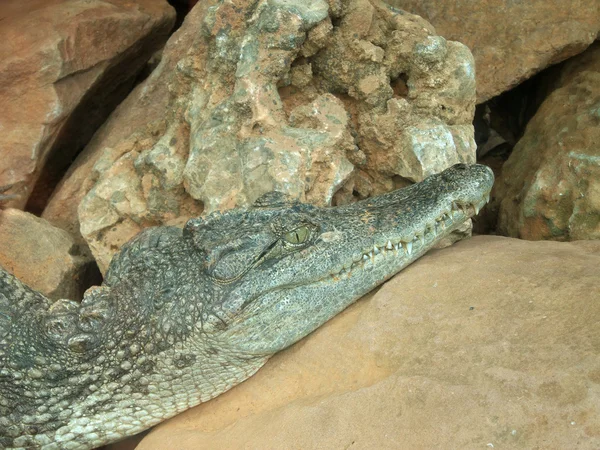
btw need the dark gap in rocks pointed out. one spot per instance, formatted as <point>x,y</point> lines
<point>499,125</point>
<point>148,68</point>
<point>401,182</point>
<point>182,8</point>
<point>300,60</point>
<point>94,109</point>
<point>91,113</point>
<point>400,86</point>
<point>91,276</point>
<point>500,122</point>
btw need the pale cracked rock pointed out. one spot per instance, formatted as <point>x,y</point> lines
<point>326,103</point>
<point>511,40</point>
<point>550,185</point>
<point>491,342</point>
<point>44,257</point>
<point>64,65</point>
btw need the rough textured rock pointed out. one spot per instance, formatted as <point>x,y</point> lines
<point>44,257</point>
<point>64,65</point>
<point>550,185</point>
<point>492,342</point>
<point>324,102</point>
<point>512,40</point>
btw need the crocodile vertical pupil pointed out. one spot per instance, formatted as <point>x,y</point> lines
<point>297,236</point>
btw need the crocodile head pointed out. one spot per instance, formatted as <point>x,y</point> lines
<point>283,269</point>
<point>183,316</point>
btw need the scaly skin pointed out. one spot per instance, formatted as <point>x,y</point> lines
<point>184,315</point>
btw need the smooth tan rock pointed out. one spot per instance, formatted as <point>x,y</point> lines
<point>491,342</point>
<point>64,65</point>
<point>325,104</point>
<point>511,40</point>
<point>550,184</point>
<point>44,257</point>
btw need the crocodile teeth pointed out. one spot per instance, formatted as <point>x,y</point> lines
<point>429,233</point>
<point>407,247</point>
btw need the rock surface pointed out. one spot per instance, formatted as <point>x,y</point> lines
<point>44,257</point>
<point>550,185</point>
<point>512,40</point>
<point>323,102</point>
<point>64,65</point>
<point>492,342</point>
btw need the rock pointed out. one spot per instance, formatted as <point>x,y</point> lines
<point>44,257</point>
<point>492,342</point>
<point>64,65</point>
<point>511,41</point>
<point>550,184</point>
<point>289,96</point>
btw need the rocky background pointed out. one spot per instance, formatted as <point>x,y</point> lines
<point>120,115</point>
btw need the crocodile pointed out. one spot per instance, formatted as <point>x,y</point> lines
<point>184,314</point>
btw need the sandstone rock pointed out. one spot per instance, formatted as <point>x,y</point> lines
<point>492,342</point>
<point>64,65</point>
<point>550,185</point>
<point>314,100</point>
<point>511,41</point>
<point>44,257</point>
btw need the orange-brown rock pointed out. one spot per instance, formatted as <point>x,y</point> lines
<point>492,343</point>
<point>511,40</point>
<point>550,185</point>
<point>64,65</point>
<point>44,257</point>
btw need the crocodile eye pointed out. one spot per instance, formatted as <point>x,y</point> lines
<point>297,236</point>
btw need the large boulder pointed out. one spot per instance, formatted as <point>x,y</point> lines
<point>64,65</point>
<point>511,40</point>
<point>492,343</point>
<point>44,257</point>
<point>325,102</point>
<point>550,185</point>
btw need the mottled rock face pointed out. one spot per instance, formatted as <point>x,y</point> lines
<point>550,185</point>
<point>511,40</point>
<point>325,102</point>
<point>64,65</point>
